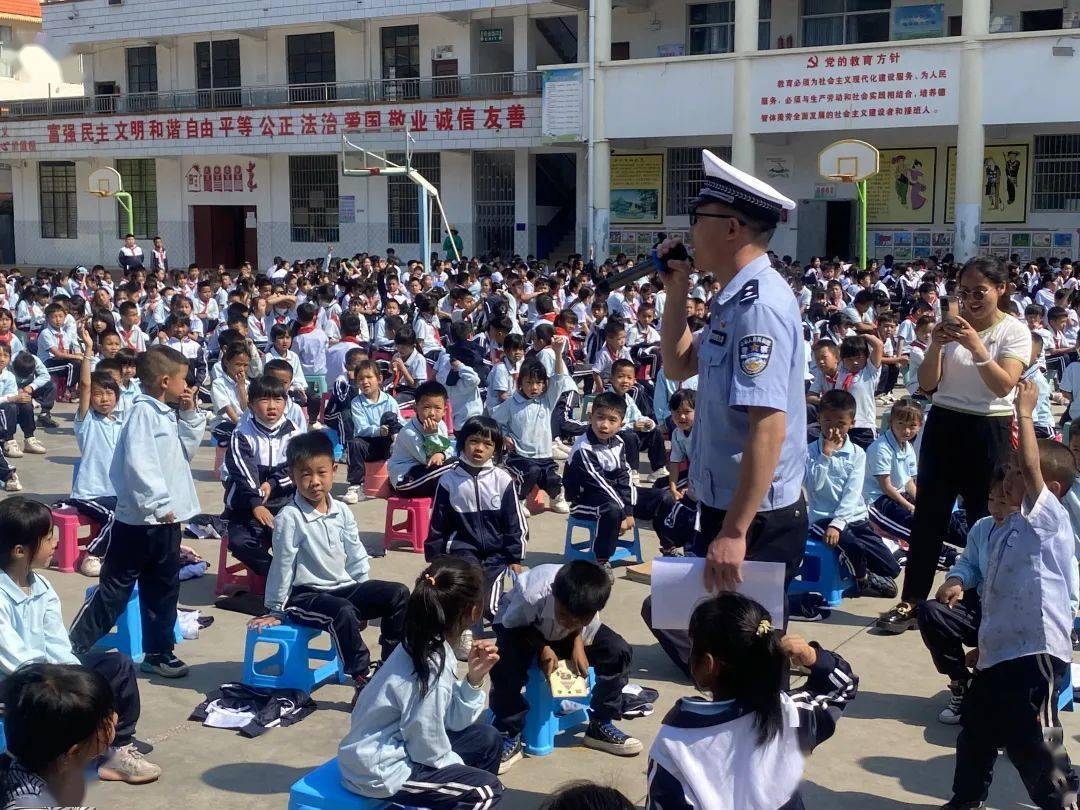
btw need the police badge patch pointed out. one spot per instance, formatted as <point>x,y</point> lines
<point>754,354</point>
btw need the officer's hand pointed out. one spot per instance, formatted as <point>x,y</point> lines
<point>723,563</point>
<point>678,271</point>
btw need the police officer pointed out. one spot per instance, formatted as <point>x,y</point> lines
<point>748,447</point>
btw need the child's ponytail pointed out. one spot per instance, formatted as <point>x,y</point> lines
<point>441,605</point>
<point>738,634</point>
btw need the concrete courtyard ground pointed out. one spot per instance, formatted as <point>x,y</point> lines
<point>890,751</point>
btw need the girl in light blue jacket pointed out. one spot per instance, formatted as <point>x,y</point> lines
<point>414,738</point>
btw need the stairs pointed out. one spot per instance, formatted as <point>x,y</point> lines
<point>560,36</point>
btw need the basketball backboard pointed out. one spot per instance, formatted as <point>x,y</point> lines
<point>105,182</point>
<point>848,161</point>
<point>357,160</point>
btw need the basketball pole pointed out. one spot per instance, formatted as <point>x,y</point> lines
<point>124,199</point>
<point>860,188</point>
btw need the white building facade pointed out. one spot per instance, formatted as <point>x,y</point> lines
<point>225,123</point>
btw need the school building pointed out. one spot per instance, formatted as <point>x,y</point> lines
<point>547,127</point>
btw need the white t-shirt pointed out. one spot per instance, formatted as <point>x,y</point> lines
<point>1070,382</point>
<point>961,387</point>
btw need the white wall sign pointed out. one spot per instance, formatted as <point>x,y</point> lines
<point>892,86</point>
<point>561,110</point>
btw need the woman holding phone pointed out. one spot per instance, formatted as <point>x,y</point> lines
<point>976,355</point>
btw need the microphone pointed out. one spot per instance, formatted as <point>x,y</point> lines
<point>652,264</point>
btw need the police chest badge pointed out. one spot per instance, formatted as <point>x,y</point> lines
<point>754,354</point>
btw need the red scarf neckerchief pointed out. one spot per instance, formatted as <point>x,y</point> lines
<point>303,330</point>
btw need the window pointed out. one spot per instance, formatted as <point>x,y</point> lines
<point>620,51</point>
<point>1047,19</point>
<point>402,199</point>
<point>401,60</point>
<point>311,61</point>
<point>845,22</point>
<point>711,27</point>
<point>685,175</point>
<point>56,188</point>
<point>313,198</point>
<point>142,69</point>
<point>139,178</point>
<point>1055,173</point>
<point>217,65</point>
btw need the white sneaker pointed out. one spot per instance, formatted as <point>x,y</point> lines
<point>950,715</point>
<point>13,484</point>
<point>635,478</point>
<point>127,765</point>
<point>464,645</point>
<point>90,566</point>
<point>560,505</point>
<point>32,445</point>
<point>354,494</point>
<point>12,449</point>
<point>559,451</point>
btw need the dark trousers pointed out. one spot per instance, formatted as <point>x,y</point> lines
<point>609,655</point>
<point>1013,705</point>
<point>363,449</point>
<point>863,437</point>
<point>222,433</point>
<point>887,381</point>
<point>119,671</point>
<point>564,425</point>
<point>67,370</point>
<point>535,472</point>
<point>946,631</point>
<point>45,396</point>
<point>861,549</point>
<point>250,543</point>
<point>149,555</point>
<point>16,414</point>
<point>314,404</point>
<point>494,569</point>
<point>101,511</point>
<point>473,785</point>
<point>608,515</point>
<point>421,481</point>
<point>958,455</point>
<point>775,536</point>
<point>651,441</point>
<point>6,470</point>
<point>677,527</point>
<point>344,612</point>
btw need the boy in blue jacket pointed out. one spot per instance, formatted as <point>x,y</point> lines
<point>375,420</point>
<point>151,474</point>
<point>423,449</point>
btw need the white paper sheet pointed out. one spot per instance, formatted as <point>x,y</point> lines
<point>678,586</point>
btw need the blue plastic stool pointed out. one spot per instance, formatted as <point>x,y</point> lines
<point>3,738</point>
<point>1065,691</point>
<point>292,659</point>
<point>322,790</point>
<point>335,439</point>
<point>126,636</point>
<point>624,549</point>
<point>542,723</point>
<point>821,573</point>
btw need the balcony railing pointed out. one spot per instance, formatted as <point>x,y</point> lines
<point>371,91</point>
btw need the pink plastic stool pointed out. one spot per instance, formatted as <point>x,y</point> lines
<point>414,529</point>
<point>236,577</point>
<point>376,479</point>
<point>448,418</point>
<point>536,502</point>
<point>67,521</point>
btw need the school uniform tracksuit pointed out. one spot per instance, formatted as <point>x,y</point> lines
<point>368,442</point>
<point>319,578</point>
<point>408,467</point>
<point>255,455</point>
<point>477,515</point>
<point>151,474</point>
<point>14,414</point>
<point>651,440</point>
<point>93,494</point>
<point>599,489</point>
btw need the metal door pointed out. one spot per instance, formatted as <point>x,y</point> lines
<point>493,202</point>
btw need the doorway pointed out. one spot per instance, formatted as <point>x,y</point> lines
<point>225,235</point>
<point>556,205</point>
<point>839,230</point>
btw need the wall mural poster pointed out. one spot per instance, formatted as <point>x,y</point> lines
<point>637,189</point>
<point>1004,183</point>
<point>902,192</point>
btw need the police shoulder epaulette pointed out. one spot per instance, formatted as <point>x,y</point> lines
<point>749,292</point>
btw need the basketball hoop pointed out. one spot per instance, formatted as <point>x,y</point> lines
<point>851,161</point>
<point>105,182</point>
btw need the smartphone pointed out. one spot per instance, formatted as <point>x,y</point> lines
<point>950,309</point>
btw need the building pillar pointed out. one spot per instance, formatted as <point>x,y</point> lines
<point>524,203</point>
<point>970,134</point>
<point>746,43</point>
<point>583,37</point>
<point>523,51</point>
<point>599,148</point>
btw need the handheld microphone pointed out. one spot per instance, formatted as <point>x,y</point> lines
<point>652,264</point>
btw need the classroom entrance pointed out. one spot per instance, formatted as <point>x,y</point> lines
<point>225,235</point>
<point>826,228</point>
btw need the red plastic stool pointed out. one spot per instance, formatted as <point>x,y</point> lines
<point>414,529</point>
<point>448,418</point>
<point>219,459</point>
<point>376,479</point>
<point>236,577</point>
<point>536,502</point>
<point>67,521</point>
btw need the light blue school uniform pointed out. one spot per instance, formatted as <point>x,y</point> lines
<point>663,392</point>
<point>151,468</point>
<point>97,437</point>
<point>50,339</point>
<point>501,378</point>
<point>680,445</point>
<point>834,485</point>
<point>16,345</point>
<point>295,414</point>
<point>885,457</point>
<point>367,415</point>
<point>32,627</point>
<point>750,354</point>
<point>528,421</point>
<point>463,392</point>
<point>223,394</point>
<point>970,565</point>
<point>409,449</point>
<point>9,388</point>
<point>127,396</point>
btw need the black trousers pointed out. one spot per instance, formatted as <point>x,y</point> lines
<point>101,511</point>
<point>958,456</point>
<point>778,535</point>
<point>535,472</point>
<point>473,785</point>
<point>67,369</point>
<point>149,555</point>
<point>366,448</point>
<point>222,433</point>
<point>421,481</point>
<point>676,529</point>
<point>863,437</point>
<point>1013,705</point>
<point>651,441</point>
<point>344,612</point>
<point>946,631</point>
<point>45,396</point>
<point>494,569</point>
<point>119,671</point>
<point>862,549</point>
<point>609,655</point>
<point>887,381</point>
<point>16,414</point>
<point>564,424</point>
<point>250,543</point>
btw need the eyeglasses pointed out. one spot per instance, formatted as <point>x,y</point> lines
<point>974,295</point>
<point>695,215</point>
